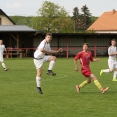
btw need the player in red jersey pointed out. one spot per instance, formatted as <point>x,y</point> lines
<point>85,57</point>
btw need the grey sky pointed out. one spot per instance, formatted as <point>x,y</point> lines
<point>30,7</point>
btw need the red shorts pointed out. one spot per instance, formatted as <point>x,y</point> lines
<point>86,72</point>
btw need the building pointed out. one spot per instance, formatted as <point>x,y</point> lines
<point>106,23</point>
<point>24,37</point>
<point>12,34</point>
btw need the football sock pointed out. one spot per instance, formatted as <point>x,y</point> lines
<point>114,74</point>
<point>96,82</point>
<point>51,65</point>
<point>106,70</point>
<point>3,65</point>
<point>38,81</point>
<point>83,84</point>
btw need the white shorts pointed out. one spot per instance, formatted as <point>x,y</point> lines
<point>112,64</point>
<point>1,58</point>
<point>39,63</point>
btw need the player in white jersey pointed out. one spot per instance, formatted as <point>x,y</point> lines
<point>112,63</point>
<point>40,58</point>
<point>2,49</point>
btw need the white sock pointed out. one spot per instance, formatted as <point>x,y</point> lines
<point>51,65</point>
<point>114,74</point>
<point>3,65</point>
<point>38,81</point>
<point>106,70</point>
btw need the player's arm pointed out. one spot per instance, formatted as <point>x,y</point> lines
<point>95,59</point>
<point>58,51</point>
<point>110,53</point>
<point>4,47</point>
<point>76,65</point>
<point>75,61</point>
<point>50,52</point>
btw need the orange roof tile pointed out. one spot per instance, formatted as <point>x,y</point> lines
<point>107,21</point>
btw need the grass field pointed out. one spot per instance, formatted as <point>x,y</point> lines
<point>19,97</point>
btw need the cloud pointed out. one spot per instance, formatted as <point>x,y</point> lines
<point>13,5</point>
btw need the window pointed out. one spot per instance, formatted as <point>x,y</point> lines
<point>0,21</point>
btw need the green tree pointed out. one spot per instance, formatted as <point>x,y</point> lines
<point>75,17</point>
<point>86,17</point>
<point>49,16</point>
<point>64,25</point>
<point>82,20</point>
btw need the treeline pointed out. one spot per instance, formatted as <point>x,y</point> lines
<point>53,18</point>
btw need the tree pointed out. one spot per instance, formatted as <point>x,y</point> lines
<point>64,25</point>
<point>75,17</point>
<point>86,17</point>
<point>49,16</point>
<point>82,20</point>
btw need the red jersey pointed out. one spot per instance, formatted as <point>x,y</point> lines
<point>85,58</point>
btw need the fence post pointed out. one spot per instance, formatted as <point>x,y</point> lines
<point>95,47</point>
<point>67,49</point>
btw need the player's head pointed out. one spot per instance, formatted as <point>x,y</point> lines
<point>48,37</point>
<point>85,46</point>
<point>113,42</point>
<point>1,41</point>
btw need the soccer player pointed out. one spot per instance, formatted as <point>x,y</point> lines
<point>85,57</point>
<point>112,63</point>
<point>40,58</point>
<point>2,49</point>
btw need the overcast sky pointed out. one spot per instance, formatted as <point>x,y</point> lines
<point>30,7</point>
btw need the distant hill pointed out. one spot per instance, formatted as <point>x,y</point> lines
<point>23,20</point>
<point>93,18</point>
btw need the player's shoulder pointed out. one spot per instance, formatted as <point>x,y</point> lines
<point>110,47</point>
<point>2,45</point>
<point>80,52</point>
<point>42,42</point>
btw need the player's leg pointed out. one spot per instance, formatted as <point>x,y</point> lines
<point>111,68</point>
<point>38,65</point>
<point>115,73</point>
<point>3,64</point>
<point>84,83</point>
<point>38,80</point>
<point>97,83</point>
<point>52,60</point>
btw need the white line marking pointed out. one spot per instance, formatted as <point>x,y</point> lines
<point>17,83</point>
<point>56,78</point>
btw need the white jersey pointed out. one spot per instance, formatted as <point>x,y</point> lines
<point>2,48</point>
<point>43,45</point>
<point>111,50</point>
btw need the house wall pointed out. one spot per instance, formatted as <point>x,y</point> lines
<point>5,20</point>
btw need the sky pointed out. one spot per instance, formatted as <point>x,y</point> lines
<point>30,7</point>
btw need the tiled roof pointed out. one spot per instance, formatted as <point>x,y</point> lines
<point>16,28</point>
<point>107,21</point>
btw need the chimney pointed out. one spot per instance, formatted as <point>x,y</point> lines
<point>114,11</point>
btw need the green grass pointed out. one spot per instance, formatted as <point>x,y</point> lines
<point>19,97</point>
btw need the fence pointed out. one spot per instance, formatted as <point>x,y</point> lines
<point>67,52</point>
